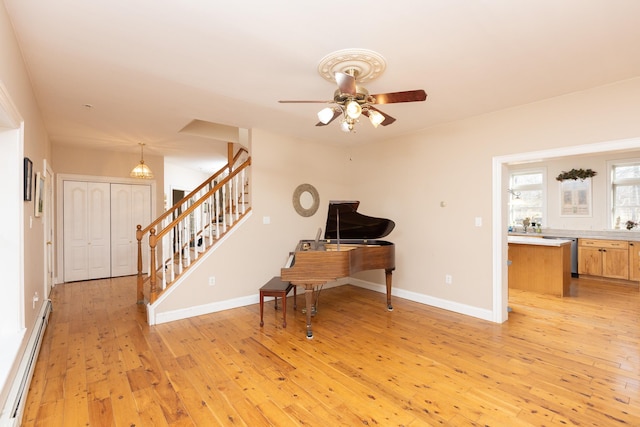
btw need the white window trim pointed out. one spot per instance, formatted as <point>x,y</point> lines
<point>545,191</point>
<point>610,165</point>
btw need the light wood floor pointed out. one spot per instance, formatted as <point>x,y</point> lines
<point>571,361</point>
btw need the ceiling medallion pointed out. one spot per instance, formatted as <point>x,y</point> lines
<point>367,64</point>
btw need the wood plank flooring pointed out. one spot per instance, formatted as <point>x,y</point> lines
<point>557,361</point>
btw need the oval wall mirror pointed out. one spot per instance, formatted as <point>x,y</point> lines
<point>306,199</point>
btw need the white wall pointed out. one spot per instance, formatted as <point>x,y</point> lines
<point>180,178</point>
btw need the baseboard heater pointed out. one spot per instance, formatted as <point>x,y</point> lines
<point>18,393</point>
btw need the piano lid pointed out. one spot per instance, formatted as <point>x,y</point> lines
<point>354,225</point>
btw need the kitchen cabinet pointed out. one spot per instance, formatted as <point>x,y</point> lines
<point>634,261</point>
<point>540,265</point>
<point>604,258</point>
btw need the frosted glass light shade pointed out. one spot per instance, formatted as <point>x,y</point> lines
<point>353,109</point>
<point>325,115</point>
<point>141,171</point>
<point>375,118</point>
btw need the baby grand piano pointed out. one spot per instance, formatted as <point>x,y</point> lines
<point>350,245</point>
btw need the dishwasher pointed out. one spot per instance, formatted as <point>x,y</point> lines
<point>574,252</point>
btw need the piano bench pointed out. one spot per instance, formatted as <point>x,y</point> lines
<point>277,288</point>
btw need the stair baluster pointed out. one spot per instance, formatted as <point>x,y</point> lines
<point>187,230</point>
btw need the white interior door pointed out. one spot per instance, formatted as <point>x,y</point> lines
<point>130,206</point>
<point>87,235</point>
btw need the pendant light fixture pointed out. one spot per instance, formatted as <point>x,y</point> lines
<point>142,170</point>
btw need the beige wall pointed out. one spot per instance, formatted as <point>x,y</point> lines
<point>453,163</point>
<point>257,251</point>
<point>36,146</point>
<point>82,161</point>
<point>406,180</point>
<point>15,80</point>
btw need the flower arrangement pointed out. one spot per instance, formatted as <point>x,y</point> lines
<point>631,224</point>
<point>576,174</point>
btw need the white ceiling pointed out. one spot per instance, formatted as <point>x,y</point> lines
<point>149,67</point>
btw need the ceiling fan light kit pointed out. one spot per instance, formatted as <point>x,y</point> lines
<point>347,68</point>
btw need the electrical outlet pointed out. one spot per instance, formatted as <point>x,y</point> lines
<point>212,280</point>
<point>448,279</point>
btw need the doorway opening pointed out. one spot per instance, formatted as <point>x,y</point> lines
<point>500,214</point>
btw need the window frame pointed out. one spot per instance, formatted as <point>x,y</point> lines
<point>542,186</point>
<point>611,165</point>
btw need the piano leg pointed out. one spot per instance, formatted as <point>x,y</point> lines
<point>308,296</point>
<point>387,274</point>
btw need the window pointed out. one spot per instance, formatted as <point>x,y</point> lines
<point>625,193</point>
<point>527,196</point>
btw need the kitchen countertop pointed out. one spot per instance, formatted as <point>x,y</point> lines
<point>627,235</point>
<point>533,240</point>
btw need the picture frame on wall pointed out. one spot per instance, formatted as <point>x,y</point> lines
<point>39,204</point>
<point>28,177</point>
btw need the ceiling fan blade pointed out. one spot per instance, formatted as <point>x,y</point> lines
<point>387,118</point>
<point>395,97</point>
<point>306,102</point>
<point>337,113</point>
<point>346,83</point>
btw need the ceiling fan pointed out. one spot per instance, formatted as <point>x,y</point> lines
<point>352,100</point>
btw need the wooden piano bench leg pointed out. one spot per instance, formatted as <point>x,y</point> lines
<point>261,309</point>
<point>276,288</point>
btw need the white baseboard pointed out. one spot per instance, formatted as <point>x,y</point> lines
<point>170,316</point>
<point>11,415</point>
<point>173,315</point>
<point>467,310</point>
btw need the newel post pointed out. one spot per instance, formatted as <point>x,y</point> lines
<point>153,294</point>
<point>230,156</point>
<point>140,281</point>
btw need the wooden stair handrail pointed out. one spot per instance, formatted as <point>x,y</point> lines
<point>201,200</point>
<point>172,209</point>
<point>154,235</point>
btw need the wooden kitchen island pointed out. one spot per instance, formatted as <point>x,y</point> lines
<point>540,265</point>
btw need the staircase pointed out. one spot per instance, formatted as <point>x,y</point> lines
<point>178,239</point>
